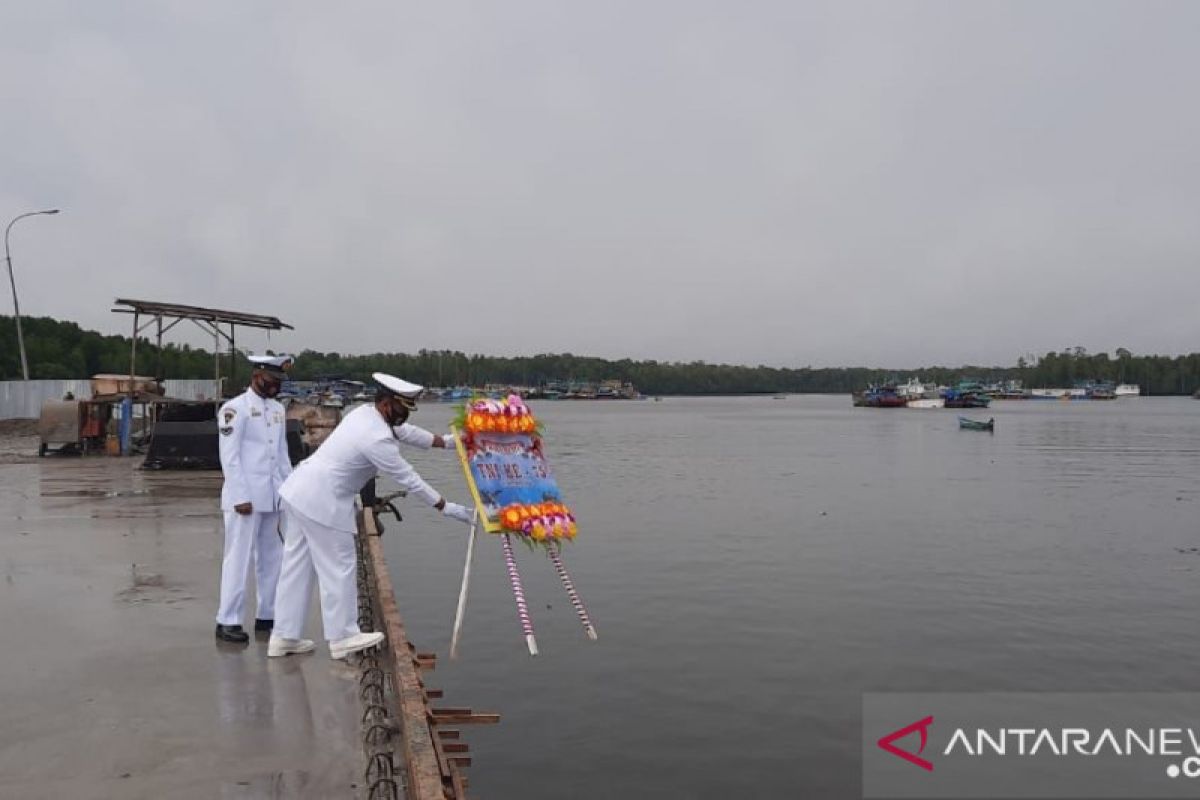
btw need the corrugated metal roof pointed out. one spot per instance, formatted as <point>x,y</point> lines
<point>197,312</point>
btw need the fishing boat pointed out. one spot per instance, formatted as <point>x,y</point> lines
<point>1013,390</point>
<point>976,425</point>
<point>879,397</point>
<point>967,394</point>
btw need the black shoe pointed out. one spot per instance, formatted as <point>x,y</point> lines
<point>232,633</point>
<point>261,625</point>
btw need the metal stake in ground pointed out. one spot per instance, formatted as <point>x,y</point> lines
<point>560,568</point>
<point>462,593</point>
<point>514,578</point>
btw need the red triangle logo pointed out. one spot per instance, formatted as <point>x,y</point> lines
<point>921,726</point>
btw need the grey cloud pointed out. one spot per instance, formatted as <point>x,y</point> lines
<point>788,183</point>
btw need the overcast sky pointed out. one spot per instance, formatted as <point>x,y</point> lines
<point>790,183</point>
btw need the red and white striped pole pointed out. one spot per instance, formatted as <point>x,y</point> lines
<point>560,568</point>
<point>514,578</point>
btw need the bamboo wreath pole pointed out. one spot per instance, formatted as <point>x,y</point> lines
<point>462,593</point>
<point>561,569</point>
<point>514,577</point>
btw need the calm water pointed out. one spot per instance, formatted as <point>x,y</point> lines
<point>753,565</point>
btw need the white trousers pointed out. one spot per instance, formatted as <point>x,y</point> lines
<point>249,537</point>
<point>309,549</point>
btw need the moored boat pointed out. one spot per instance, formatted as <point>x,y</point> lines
<point>884,396</point>
<point>1013,390</point>
<point>976,425</point>
<point>967,394</point>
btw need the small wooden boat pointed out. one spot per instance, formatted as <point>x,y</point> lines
<point>976,425</point>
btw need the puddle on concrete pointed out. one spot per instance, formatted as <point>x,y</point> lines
<point>96,493</point>
<point>150,587</point>
<point>171,491</point>
<point>152,513</point>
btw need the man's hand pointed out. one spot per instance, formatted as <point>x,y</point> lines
<point>244,508</point>
<point>460,513</point>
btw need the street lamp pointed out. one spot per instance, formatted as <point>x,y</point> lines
<point>16,307</point>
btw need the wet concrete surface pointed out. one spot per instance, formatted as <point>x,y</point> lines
<point>111,682</point>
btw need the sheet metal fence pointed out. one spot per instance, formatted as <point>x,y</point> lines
<point>23,399</point>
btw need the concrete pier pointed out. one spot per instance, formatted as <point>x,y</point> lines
<point>111,682</point>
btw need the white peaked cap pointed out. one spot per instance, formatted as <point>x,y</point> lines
<point>272,363</point>
<point>410,391</point>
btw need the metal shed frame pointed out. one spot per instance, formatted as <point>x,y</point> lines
<point>209,320</point>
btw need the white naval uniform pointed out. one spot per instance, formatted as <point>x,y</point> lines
<point>420,438</point>
<point>254,458</point>
<point>410,434</point>
<point>318,511</point>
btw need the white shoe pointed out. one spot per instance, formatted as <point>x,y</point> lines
<point>278,646</point>
<point>352,644</point>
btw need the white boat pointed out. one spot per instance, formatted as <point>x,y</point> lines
<point>916,390</point>
<point>1128,390</point>
<point>911,390</point>
<point>927,402</point>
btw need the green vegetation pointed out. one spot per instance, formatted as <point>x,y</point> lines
<point>63,350</point>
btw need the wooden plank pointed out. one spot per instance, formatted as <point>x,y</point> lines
<point>458,781</point>
<point>466,719</point>
<point>443,764</point>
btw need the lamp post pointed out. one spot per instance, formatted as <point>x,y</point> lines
<point>12,281</point>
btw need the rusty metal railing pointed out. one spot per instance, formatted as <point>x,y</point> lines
<point>406,740</point>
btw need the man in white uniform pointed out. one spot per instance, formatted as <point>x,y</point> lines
<point>254,458</point>
<point>410,434</point>
<point>319,525</point>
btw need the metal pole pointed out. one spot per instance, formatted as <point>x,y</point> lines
<point>462,592</point>
<point>12,281</point>
<point>217,360</point>
<point>232,357</point>
<point>127,410</point>
<point>158,373</point>
<point>133,356</point>
<point>158,377</point>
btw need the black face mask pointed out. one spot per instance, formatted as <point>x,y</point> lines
<point>266,388</point>
<point>397,414</point>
